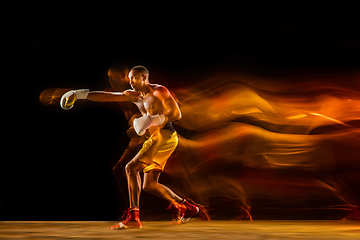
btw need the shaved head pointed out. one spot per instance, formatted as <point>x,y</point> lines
<point>140,69</point>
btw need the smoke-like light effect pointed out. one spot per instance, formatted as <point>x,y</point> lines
<point>272,147</point>
<point>52,96</point>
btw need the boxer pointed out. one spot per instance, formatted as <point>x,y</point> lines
<point>159,110</point>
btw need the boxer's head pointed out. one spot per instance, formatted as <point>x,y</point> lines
<point>139,77</point>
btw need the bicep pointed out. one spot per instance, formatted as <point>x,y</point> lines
<point>170,104</point>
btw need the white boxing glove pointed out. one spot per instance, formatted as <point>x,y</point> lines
<point>141,124</point>
<point>144,122</point>
<point>68,100</point>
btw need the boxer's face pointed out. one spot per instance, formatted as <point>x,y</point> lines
<point>137,80</point>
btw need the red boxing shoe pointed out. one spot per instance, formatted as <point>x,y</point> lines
<point>191,210</point>
<point>132,220</point>
<point>178,212</point>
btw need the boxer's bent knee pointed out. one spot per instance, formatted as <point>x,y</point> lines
<point>149,187</point>
<point>130,168</point>
<point>136,165</point>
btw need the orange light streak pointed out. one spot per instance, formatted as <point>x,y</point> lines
<point>331,119</point>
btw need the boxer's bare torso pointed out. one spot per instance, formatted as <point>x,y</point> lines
<point>148,103</point>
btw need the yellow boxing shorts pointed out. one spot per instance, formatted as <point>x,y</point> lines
<point>162,155</point>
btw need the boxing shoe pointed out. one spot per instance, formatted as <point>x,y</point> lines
<point>191,210</point>
<point>132,220</point>
<point>178,211</point>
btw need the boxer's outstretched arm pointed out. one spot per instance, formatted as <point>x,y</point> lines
<point>67,101</point>
<point>100,96</point>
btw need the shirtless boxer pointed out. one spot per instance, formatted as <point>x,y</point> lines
<point>159,109</point>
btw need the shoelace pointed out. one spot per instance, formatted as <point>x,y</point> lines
<point>127,213</point>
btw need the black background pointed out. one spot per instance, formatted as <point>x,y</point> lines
<point>57,164</point>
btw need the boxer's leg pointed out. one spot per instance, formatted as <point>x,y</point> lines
<point>133,169</point>
<point>119,168</point>
<point>151,185</point>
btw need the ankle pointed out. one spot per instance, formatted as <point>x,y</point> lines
<point>134,209</point>
<point>133,214</point>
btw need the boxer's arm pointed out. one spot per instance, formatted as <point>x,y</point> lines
<point>101,96</point>
<point>69,98</point>
<point>171,108</point>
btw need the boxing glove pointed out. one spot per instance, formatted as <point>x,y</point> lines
<point>144,122</point>
<point>141,124</point>
<point>68,100</point>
